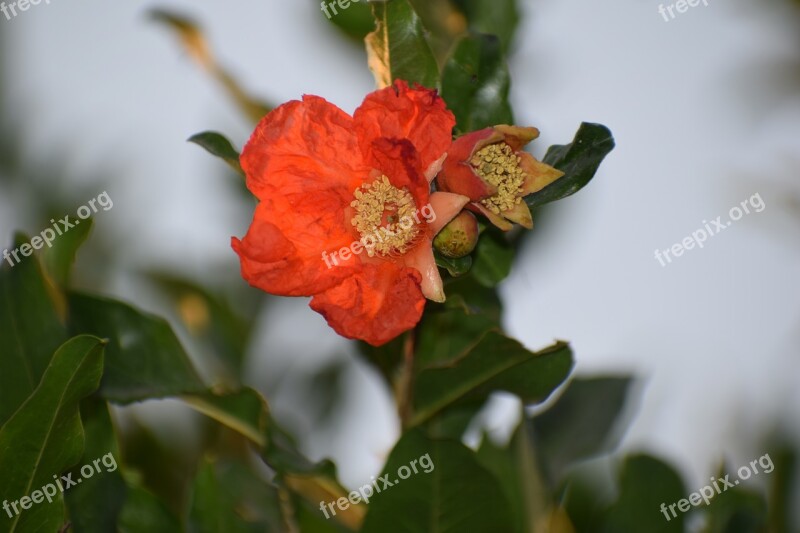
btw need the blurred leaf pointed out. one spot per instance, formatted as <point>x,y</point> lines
<point>144,359</point>
<point>355,21</point>
<point>59,258</point>
<point>645,483</point>
<point>736,510</point>
<point>244,411</point>
<point>144,513</point>
<point>475,84</point>
<point>96,505</point>
<point>397,49</point>
<point>455,267</point>
<point>162,466</point>
<point>195,44</point>
<point>45,436</point>
<point>578,160</point>
<point>516,466</point>
<point>494,256</point>
<point>212,319</point>
<point>450,492</point>
<point>30,328</point>
<point>495,17</point>
<point>495,363</point>
<point>579,425</point>
<point>228,497</point>
<point>218,145</point>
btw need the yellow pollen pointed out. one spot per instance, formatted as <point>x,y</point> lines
<point>385,218</point>
<point>498,165</point>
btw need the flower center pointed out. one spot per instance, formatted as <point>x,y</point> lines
<point>385,218</point>
<point>498,165</point>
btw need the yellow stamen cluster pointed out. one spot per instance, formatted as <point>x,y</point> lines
<point>385,216</point>
<point>498,165</point>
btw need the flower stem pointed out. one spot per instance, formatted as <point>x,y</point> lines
<point>405,384</point>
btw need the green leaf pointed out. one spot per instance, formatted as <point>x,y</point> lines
<point>31,328</point>
<point>449,493</point>
<point>229,497</point>
<point>737,509</point>
<point>355,21</point>
<point>496,17</point>
<point>96,504</point>
<point>578,160</point>
<point>475,84</point>
<point>495,363</point>
<point>144,513</point>
<point>645,483</point>
<point>209,317</point>
<point>59,258</point>
<point>455,267</point>
<point>45,436</point>
<point>397,49</point>
<point>448,331</point>
<point>580,423</point>
<point>144,359</point>
<point>244,411</point>
<point>217,145</point>
<point>494,256</point>
<point>517,468</point>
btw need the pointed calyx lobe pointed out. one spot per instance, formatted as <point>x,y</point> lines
<point>346,214</point>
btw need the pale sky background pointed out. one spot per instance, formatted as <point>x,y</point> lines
<point>706,113</point>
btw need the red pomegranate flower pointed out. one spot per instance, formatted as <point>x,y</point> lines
<point>491,167</point>
<point>346,214</point>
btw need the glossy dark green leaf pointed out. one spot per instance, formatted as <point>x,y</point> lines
<point>581,423</point>
<point>96,504</point>
<point>579,161</point>
<point>494,256</point>
<point>59,258</point>
<point>495,363</point>
<point>44,437</point>
<point>229,497</point>
<point>144,358</point>
<point>144,513</point>
<point>495,17</point>
<point>355,20</point>
<point>397,49</point>
<point>476,82</point>
<point>644,484</point>
<point>218,145</point>
<point>455,267</point>
<point>450,492</point>
<point>449,331</point>
<point>31,328</point>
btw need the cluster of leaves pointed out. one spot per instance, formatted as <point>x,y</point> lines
<point>68,359</point>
